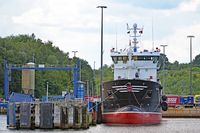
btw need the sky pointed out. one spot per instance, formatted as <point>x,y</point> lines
<point>74,25</point>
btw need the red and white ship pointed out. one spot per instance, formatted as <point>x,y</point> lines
<point>134,96</point>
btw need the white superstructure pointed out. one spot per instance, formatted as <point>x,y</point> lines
<point>134,64</point>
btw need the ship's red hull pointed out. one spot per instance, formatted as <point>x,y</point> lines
<point>133,118</point>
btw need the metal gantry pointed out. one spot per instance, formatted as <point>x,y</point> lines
<point>8,68</point>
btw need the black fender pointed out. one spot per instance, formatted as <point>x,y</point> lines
<point>164,106</point>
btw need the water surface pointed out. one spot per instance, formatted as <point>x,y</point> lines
<point>168,125</point>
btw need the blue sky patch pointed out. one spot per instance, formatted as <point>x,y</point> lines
<point>153,4</point>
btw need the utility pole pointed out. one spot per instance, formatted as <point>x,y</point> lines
<point>163,83</point>
<point>101,84</point>
<point>190,36</point>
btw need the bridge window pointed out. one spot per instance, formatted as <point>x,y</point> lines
<point>145,58</point>
<point>155,59</point>
<point>141,57</point>
<point>134,58</point>
<point>114,58</point>
<point>148,58</point>
<point>125,59</point>
<point>119,58</point>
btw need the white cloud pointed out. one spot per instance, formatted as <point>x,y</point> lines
<point>178,44</point>
<point>67,23</point>
<point>34,16</point>
<point>60,13</point>
<point>75,25</point>
<point>189,6</point>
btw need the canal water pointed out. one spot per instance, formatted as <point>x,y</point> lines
<point>168,125</point>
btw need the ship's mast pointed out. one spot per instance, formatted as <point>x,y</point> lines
<point>135,37</point>
<point>136,32</point>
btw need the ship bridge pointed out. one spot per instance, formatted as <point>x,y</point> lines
<point>135,65</point>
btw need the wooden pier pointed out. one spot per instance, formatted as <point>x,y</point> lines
<point>184,112</point>
<point>50,115</point>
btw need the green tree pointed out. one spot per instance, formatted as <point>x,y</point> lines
<point>22,49</point>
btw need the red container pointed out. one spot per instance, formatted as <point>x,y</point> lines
<point>173,100</point>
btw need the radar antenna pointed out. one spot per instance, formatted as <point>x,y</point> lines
<point>134,33</point>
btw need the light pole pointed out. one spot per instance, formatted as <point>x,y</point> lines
<point>163,66</point>
<point>190,36</point>
<point>74,53</point>
<point>47,91</point>
<point>101,84</point>
<point>79,64</point>
<point>88,94</point>
<point>164,48</point>
<point>94,88</point>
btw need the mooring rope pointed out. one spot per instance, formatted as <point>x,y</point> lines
<point>136,99</point>
<point>102,100</point>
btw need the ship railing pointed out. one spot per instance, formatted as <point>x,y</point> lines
<point>38,66</point>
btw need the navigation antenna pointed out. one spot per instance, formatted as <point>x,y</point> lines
<point>136,32</point>
<point>116,38</point>
<point>152,35</point>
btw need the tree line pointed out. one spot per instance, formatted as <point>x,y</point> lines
<point>21,49</point>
